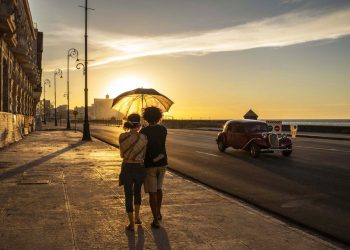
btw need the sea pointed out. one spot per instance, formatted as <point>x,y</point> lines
<point>316,122</point>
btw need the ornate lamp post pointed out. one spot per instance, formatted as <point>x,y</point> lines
<point>46,82</point>
<point>74,54</point>
<point>57,72</point>
<point>86,130</point>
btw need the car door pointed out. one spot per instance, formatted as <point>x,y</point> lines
<point>240,136</point>
<point>234,136</point>
<point>229,136</point>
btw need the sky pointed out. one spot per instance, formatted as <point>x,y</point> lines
<point>285,59</point>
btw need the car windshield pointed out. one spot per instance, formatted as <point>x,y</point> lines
<point>256,127</point>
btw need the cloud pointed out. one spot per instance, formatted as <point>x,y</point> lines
<point>57,33</point>
<point>284,30</point>
<point>291,1</point>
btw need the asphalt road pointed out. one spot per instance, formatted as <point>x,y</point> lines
<point>311,187</point>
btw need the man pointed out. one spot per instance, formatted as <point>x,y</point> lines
<point>155,161</point>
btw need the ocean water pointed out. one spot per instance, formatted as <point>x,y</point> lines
<point>321,122</point>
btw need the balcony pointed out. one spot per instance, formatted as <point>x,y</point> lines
<point>11,39</point>
<point>22,49</point>
<point>37,92</point>
<point>7,16</point>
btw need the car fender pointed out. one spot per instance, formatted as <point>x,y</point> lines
<point>221,136</point>
<point>247,145</point>
<point>258,141</point>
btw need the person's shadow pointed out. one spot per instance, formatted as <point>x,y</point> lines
<point>161,239</point>
<point>135,245</point>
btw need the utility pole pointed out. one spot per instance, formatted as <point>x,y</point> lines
<point>86,130</point>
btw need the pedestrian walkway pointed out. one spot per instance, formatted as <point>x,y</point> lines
<point>57,192</point>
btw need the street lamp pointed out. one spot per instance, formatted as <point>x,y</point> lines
<point>73,53</point>
<point>59,73</point>
<point>46,82</point>
<point>86,131</point>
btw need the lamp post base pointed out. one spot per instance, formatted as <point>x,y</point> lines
<point>86,132</point>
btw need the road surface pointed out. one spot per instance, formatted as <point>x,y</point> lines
<point>311,187</point>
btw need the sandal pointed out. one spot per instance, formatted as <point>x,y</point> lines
<point>155,225</point>
<point>130,228</point>
<point>138,221</point>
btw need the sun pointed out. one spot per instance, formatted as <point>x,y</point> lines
<point>126,83</point>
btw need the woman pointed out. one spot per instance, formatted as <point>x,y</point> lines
<point>155,161</point>
<point>132,149</point>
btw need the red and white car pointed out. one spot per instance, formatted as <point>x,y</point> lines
<point>253,136</point>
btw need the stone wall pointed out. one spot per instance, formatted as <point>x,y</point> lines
<point>218,124</point>
<point>14,127</point>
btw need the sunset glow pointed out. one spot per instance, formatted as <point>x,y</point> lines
<point>283,59</point>
<point>125,83</point>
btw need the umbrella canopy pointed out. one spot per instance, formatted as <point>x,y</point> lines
<point>134,101</point>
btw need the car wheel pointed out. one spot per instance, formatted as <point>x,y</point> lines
<point>287,152</point>
<point>221,145</point>
<point>254,150</point>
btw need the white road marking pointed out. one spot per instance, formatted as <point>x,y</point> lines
<point>325,149</point>
<point>199,152</point>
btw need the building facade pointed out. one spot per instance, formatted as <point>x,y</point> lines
<point>101,109</point>
<point>21,47</point>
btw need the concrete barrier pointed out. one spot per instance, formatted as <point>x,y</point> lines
<point>218,124</point>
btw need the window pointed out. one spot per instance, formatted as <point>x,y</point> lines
<point>237,128</point>
<point>256,127</point>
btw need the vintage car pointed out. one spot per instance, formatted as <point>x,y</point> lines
<point>253,136</point>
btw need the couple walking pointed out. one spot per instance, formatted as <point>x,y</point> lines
<point>144,162</point>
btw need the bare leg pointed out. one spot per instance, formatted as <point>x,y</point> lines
<point>159,203</point>
<point>131,221</point>
<point>154,205</point>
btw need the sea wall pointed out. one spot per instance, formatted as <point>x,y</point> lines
<point>193,124</point>
<point>14,127</point>
<point>218,124</point>
<point>320,129</point>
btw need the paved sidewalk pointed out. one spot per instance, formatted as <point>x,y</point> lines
<point>57,192</point>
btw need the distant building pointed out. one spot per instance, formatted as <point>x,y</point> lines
<point>251,115</point>
<point>21,47</point>
<point>62,112</point>
<point>43,107</point>
<point>80,113</point>
<point>62,109</point>
<point>101,109</point>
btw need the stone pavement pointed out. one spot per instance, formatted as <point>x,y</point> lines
<point>57,192</point>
